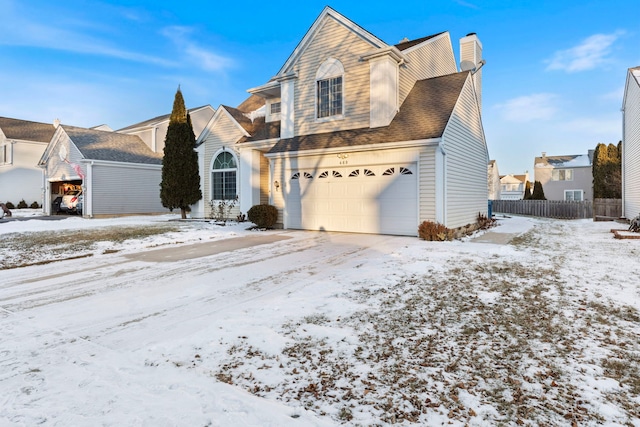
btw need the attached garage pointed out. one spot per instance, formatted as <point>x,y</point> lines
<point>362,199</point>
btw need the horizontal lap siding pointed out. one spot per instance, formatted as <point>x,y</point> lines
<point>431,60</point>
<point>122,190</point>
<point>224,133</point>
<point>427,185</point>
<point>631,150</point>
<point>333,41</point>
<point>466,163</point>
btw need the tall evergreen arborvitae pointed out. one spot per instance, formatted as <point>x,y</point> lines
<point>180,186</point>
<point>527,191</point>
<point>607,172</point>
<point>538,192</point>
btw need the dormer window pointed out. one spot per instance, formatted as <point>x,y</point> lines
<point>329,90</point>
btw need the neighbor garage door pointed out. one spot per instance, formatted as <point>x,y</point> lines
<point>365,199</point>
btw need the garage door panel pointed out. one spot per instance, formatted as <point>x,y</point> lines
<point>373,203</point>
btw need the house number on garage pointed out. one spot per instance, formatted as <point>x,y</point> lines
<point>343,158</point>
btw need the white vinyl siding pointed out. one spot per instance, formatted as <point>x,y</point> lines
<point>433,59</point>
<point>333,41</point>
<point>427,185</point>
<point>57,168</point>
<point>465,162</point>
<point>22,158</point>
<point>125,189</point>
<point>631,148</point>
<point>224,133</point>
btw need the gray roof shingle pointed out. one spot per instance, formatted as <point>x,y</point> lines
<point>27,130</point>
<point>423,115</point>
<point>111,146</point>
<point>410,43</point>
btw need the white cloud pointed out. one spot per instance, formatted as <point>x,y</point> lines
<point>539,106</point>
<point>591,53</point>
<point>203,58</point>
<point>19,31</point>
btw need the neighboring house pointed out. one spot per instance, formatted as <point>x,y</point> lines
<point>154,131</point>
<point>567,178</point>
<point>354,134</point>
<point>493,181</point>
<point>512,186</point>
<point>22,143</point>
<point>118,173</point>
<point>631,145</point>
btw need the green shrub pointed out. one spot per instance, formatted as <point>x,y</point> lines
<point>22,204</point>
<point>264,216</point>
<point>434,231</point>
<point>35,205</point>
<point>10,205</point>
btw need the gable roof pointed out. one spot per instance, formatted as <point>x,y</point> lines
<point>423,115</point>
<point>157,120</point>
<point>569,161</point>
<point>328,12</point>
<point>26,130</point>
<point>406,44</point>
<point>111,146</point>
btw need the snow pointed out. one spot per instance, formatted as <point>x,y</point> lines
<point>323,329</point>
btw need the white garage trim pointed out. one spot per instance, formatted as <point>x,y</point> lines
<point>381,199</point>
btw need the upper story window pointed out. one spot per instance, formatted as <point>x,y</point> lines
<point>275,108</point>
<point>562,175</point>
<point>329,90</point>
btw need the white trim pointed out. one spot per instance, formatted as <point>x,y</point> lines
<point>330,69</point>
<point>257,145</point>
<point>207,129</point>
<point>367,147</point>
<point>211,170</point>
<point>315,27</point>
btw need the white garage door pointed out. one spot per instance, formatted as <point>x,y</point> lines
<point>369,199</point>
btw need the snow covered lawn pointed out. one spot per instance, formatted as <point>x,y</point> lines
<point>317,329</point>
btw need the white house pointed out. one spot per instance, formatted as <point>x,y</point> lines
<point>22,143</point>
<point>631,145</point>
<point>512,186</point>
<point>154,131</point>
<point>354,134</point>
<point>493,180</point>
<point>118,173</point>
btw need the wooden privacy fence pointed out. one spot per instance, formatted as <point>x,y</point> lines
<point>607,208</point>
<point>545,208</point>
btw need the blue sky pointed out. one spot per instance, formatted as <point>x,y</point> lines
<point>553,81</point>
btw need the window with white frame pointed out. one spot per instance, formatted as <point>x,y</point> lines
<point>223,177</point>
<point>329,97</point>
<point>275,107</point>
<point>562,175</point>
<point>329,90</point>
<point>573,195</point>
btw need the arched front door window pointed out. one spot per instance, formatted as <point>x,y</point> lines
<point>223,177</point>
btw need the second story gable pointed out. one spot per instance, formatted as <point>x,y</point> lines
<point>341,77</point>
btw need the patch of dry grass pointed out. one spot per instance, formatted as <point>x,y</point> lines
<point>23,249</point>
<point>503,343</point>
